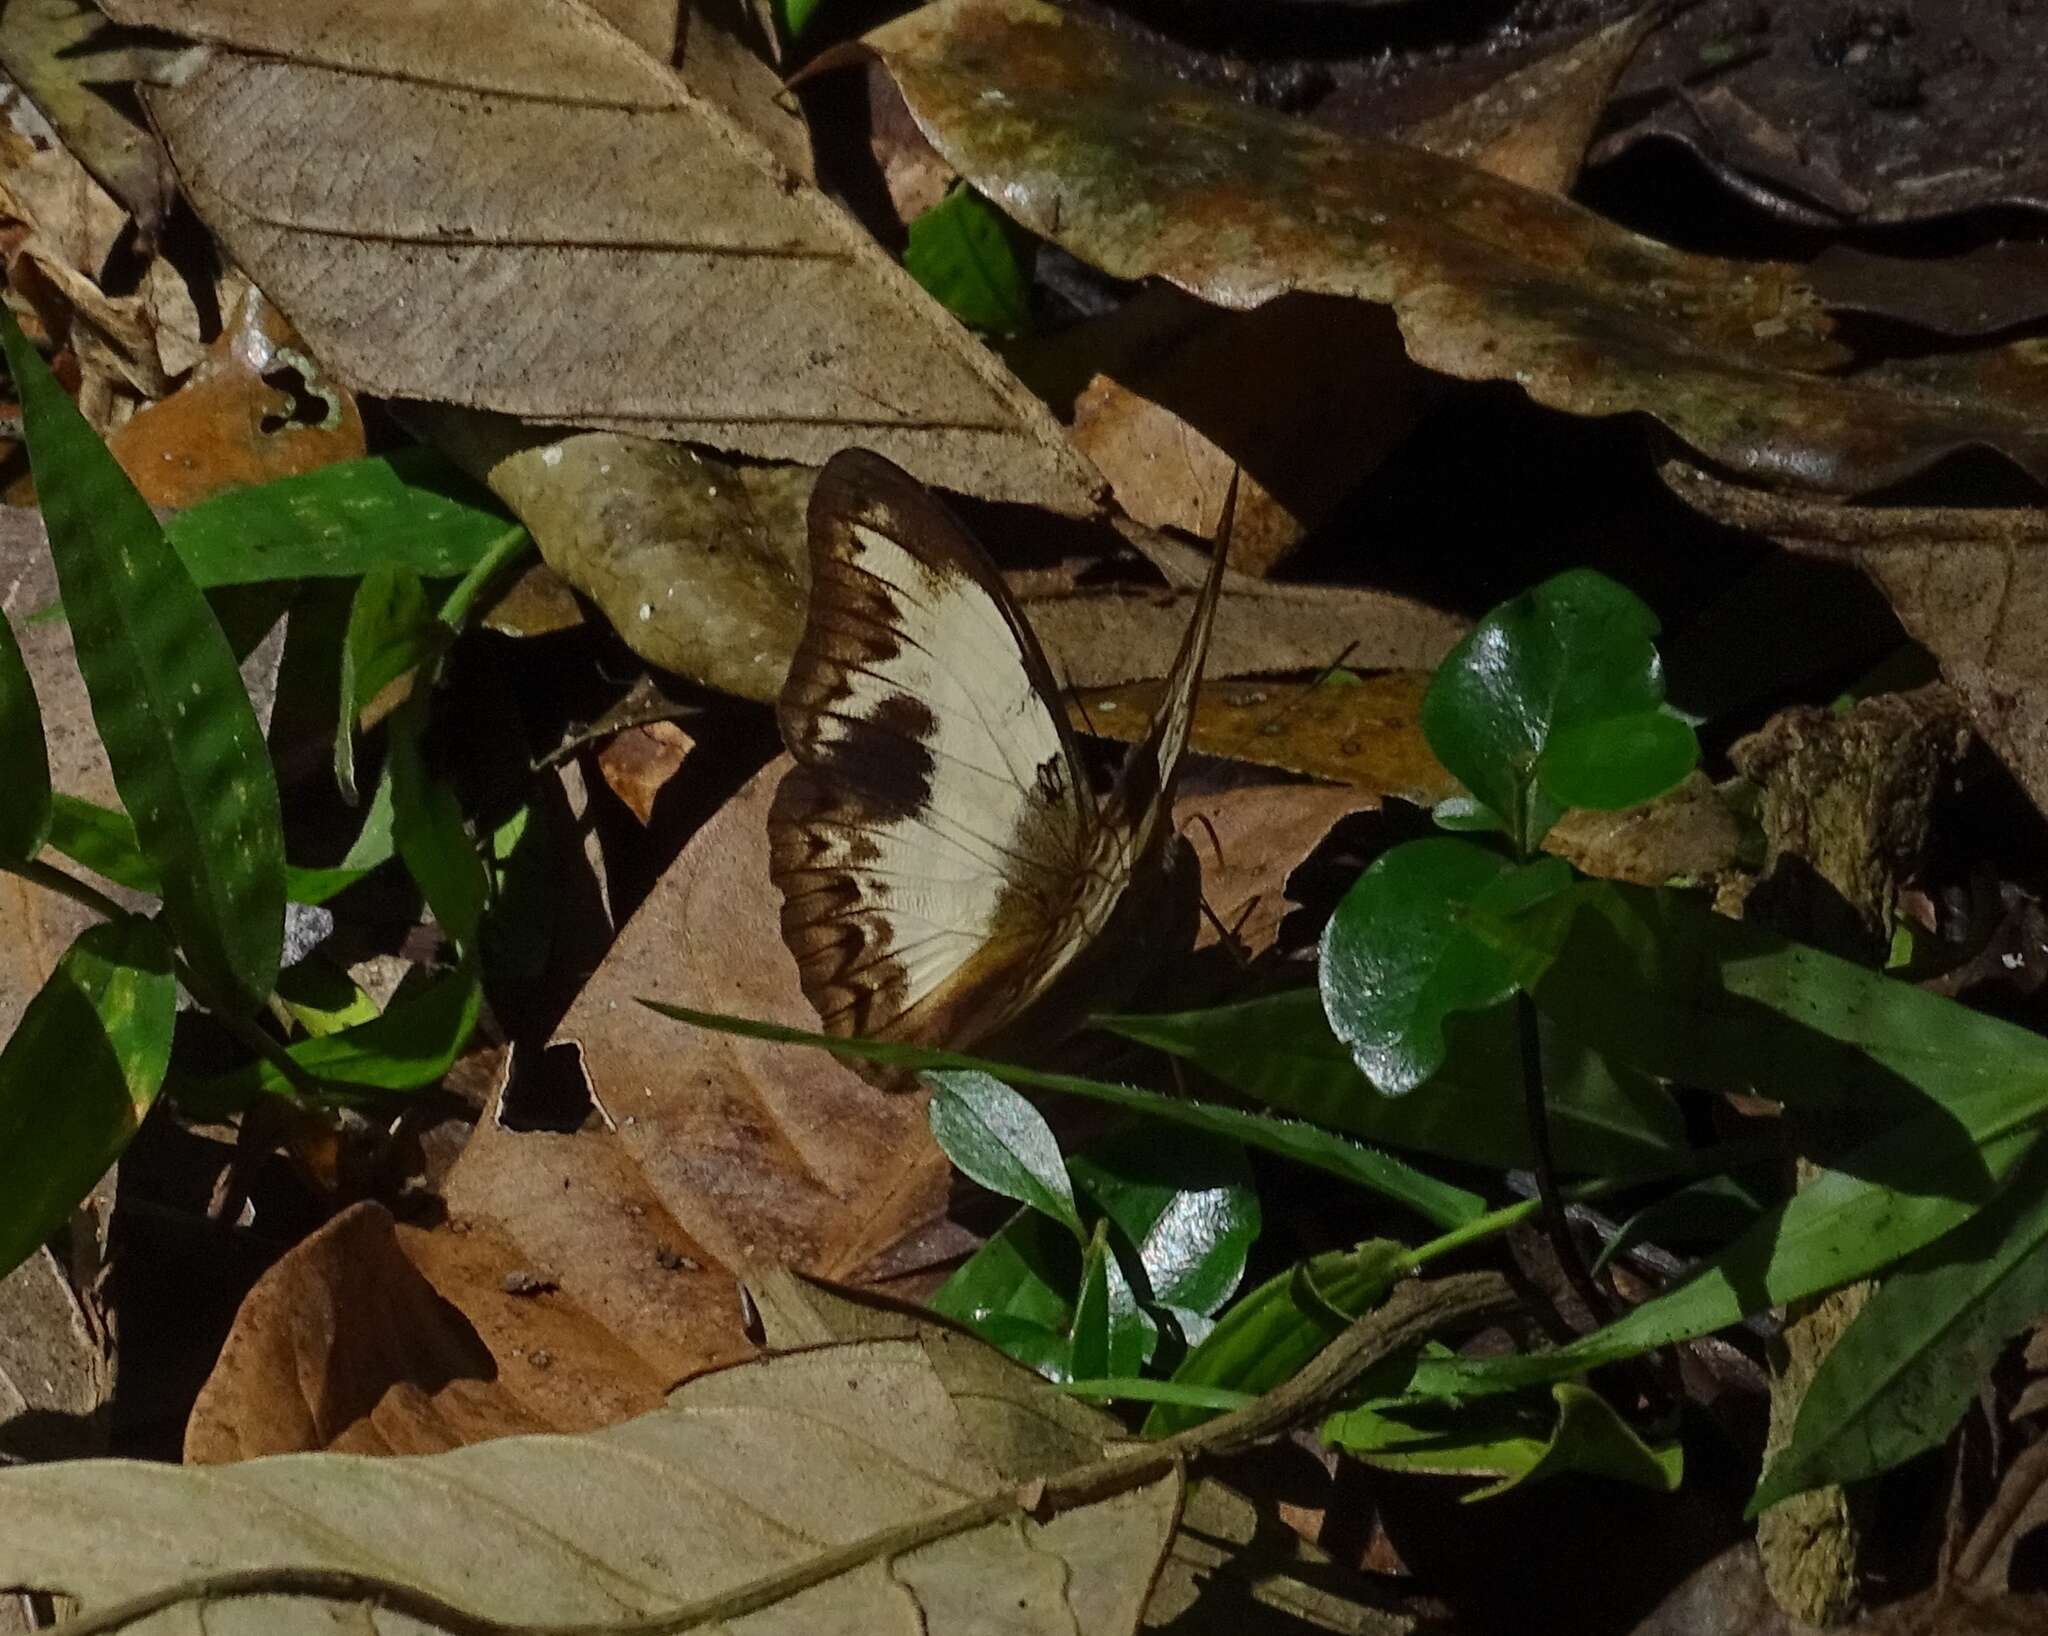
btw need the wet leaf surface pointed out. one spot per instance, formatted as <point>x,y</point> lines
<point>1076,135</point>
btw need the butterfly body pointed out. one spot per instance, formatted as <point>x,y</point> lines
<point>948,873</point>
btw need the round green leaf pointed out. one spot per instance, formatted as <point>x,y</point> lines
<point>997,1138</point>
<point>1402,954</point>
<point>1618,762</point>
<point>1575,650</point>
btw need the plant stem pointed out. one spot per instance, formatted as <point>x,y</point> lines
<point>1555,1223</point>
<point>53,879</point>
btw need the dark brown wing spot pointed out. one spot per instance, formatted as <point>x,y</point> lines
<point>884,754</point>
<point>1051,779</point>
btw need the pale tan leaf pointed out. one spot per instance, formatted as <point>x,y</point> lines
<point>757,1470</point>
<point>551,225</point>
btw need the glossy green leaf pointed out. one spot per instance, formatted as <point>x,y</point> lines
<point>1884,1200</point>
<point>522,862</point>
<point>413,1044</point>
<point>431,837</point>
<point>1036,1346</point>
<point>997,1138</point>
<point>187,754</point>
<point>1183,1202</point>
<point>1507,1440</point>
<point>1288,1138</point>
<point>1270,1335</point>
<point>1918,1354</point>
<point>1565,673</point>
<point>1090,1347</point>
<point>1183,1212</point>
<point>104,841</point>
<point>80,1070</point>
<point>795,15</point>
<point>975,260</point>
<point>410,509</point>
<point>1400,955</point>
<point>1279,1050</point>
<point>24,762</point>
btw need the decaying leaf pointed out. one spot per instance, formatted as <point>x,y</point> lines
<point>56,1368</point>
<point>558,229</point>
<point>826,1490</point>
<point>47,48</point>
<point>1060,122</point>
<point>1969,583</point>
<point>640,761</point>
<point>255,408</point>
<point>1360,732</point>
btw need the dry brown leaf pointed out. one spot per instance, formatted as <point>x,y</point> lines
<point>1970,584</point>
<point>1533,126</point>
<point>56,1371</point>
<point>554,227</point>
<point>369,1337</point>
<point>1250,841</point>
<point>1143,175</point>
<point>256,408</point>
<point>1689,834</point>
<point>1105,637</point>
<point>1363,733</point>
<point>639,762</point>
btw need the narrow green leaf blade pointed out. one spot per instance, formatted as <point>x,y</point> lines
<point>103,840</point>
<point>410,509</point>
<point>432,840</point>
<point>1273,1333</point>
<point>187,754</point>
<point>1280,1050</point>
<point>1289,1138</point>
<point>24,761</point>
<point>80,1070</point>
<point>1918,1354</point>
<point>1000,1140</point>
<point>1884,1200</point>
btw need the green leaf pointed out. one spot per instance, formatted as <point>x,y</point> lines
<point>1111,1334</point>
<point>24,762</point>
<point>322,998</point>
<point>391,629</point>
<point>1401,955</point>
<point>975,260</point>
<point>427,826</point>
<point>997,1138</point>
<point>1184,1213</point>
<point>1710,1210</point>
<point>795,15</point>
<point>1184,1202</point>
<point>187,754</point>
<point>1290,1139</point>
<point>103,840</point>
<point>1655,979</point>
<point>80,1070</point>
<point>1504,1439</point>
<point>1279,1050</point>
<point>1884,1200</point>
<point>1917,1355</point>
<point>411,509</point>
<point>1555,699</point>
<point>1273,1333</point>
<point>412,1044</point>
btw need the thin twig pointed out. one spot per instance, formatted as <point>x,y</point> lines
<point>1555,1223</point>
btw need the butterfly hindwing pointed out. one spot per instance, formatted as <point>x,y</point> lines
<point>942,860</point>
<point>937,824</point>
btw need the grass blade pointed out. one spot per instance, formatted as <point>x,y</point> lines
<point>1436,1201</point>
<point>24,762</point>
<point>77,1075</point>
<point>187,754</point>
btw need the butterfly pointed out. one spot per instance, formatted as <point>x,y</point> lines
<point>949,875</point>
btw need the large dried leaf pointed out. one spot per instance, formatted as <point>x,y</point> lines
<point>1141,174</point>
<point>754,1471</point>
<point>552,226</point>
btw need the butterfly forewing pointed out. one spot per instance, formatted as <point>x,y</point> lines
<point>936,831</point>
